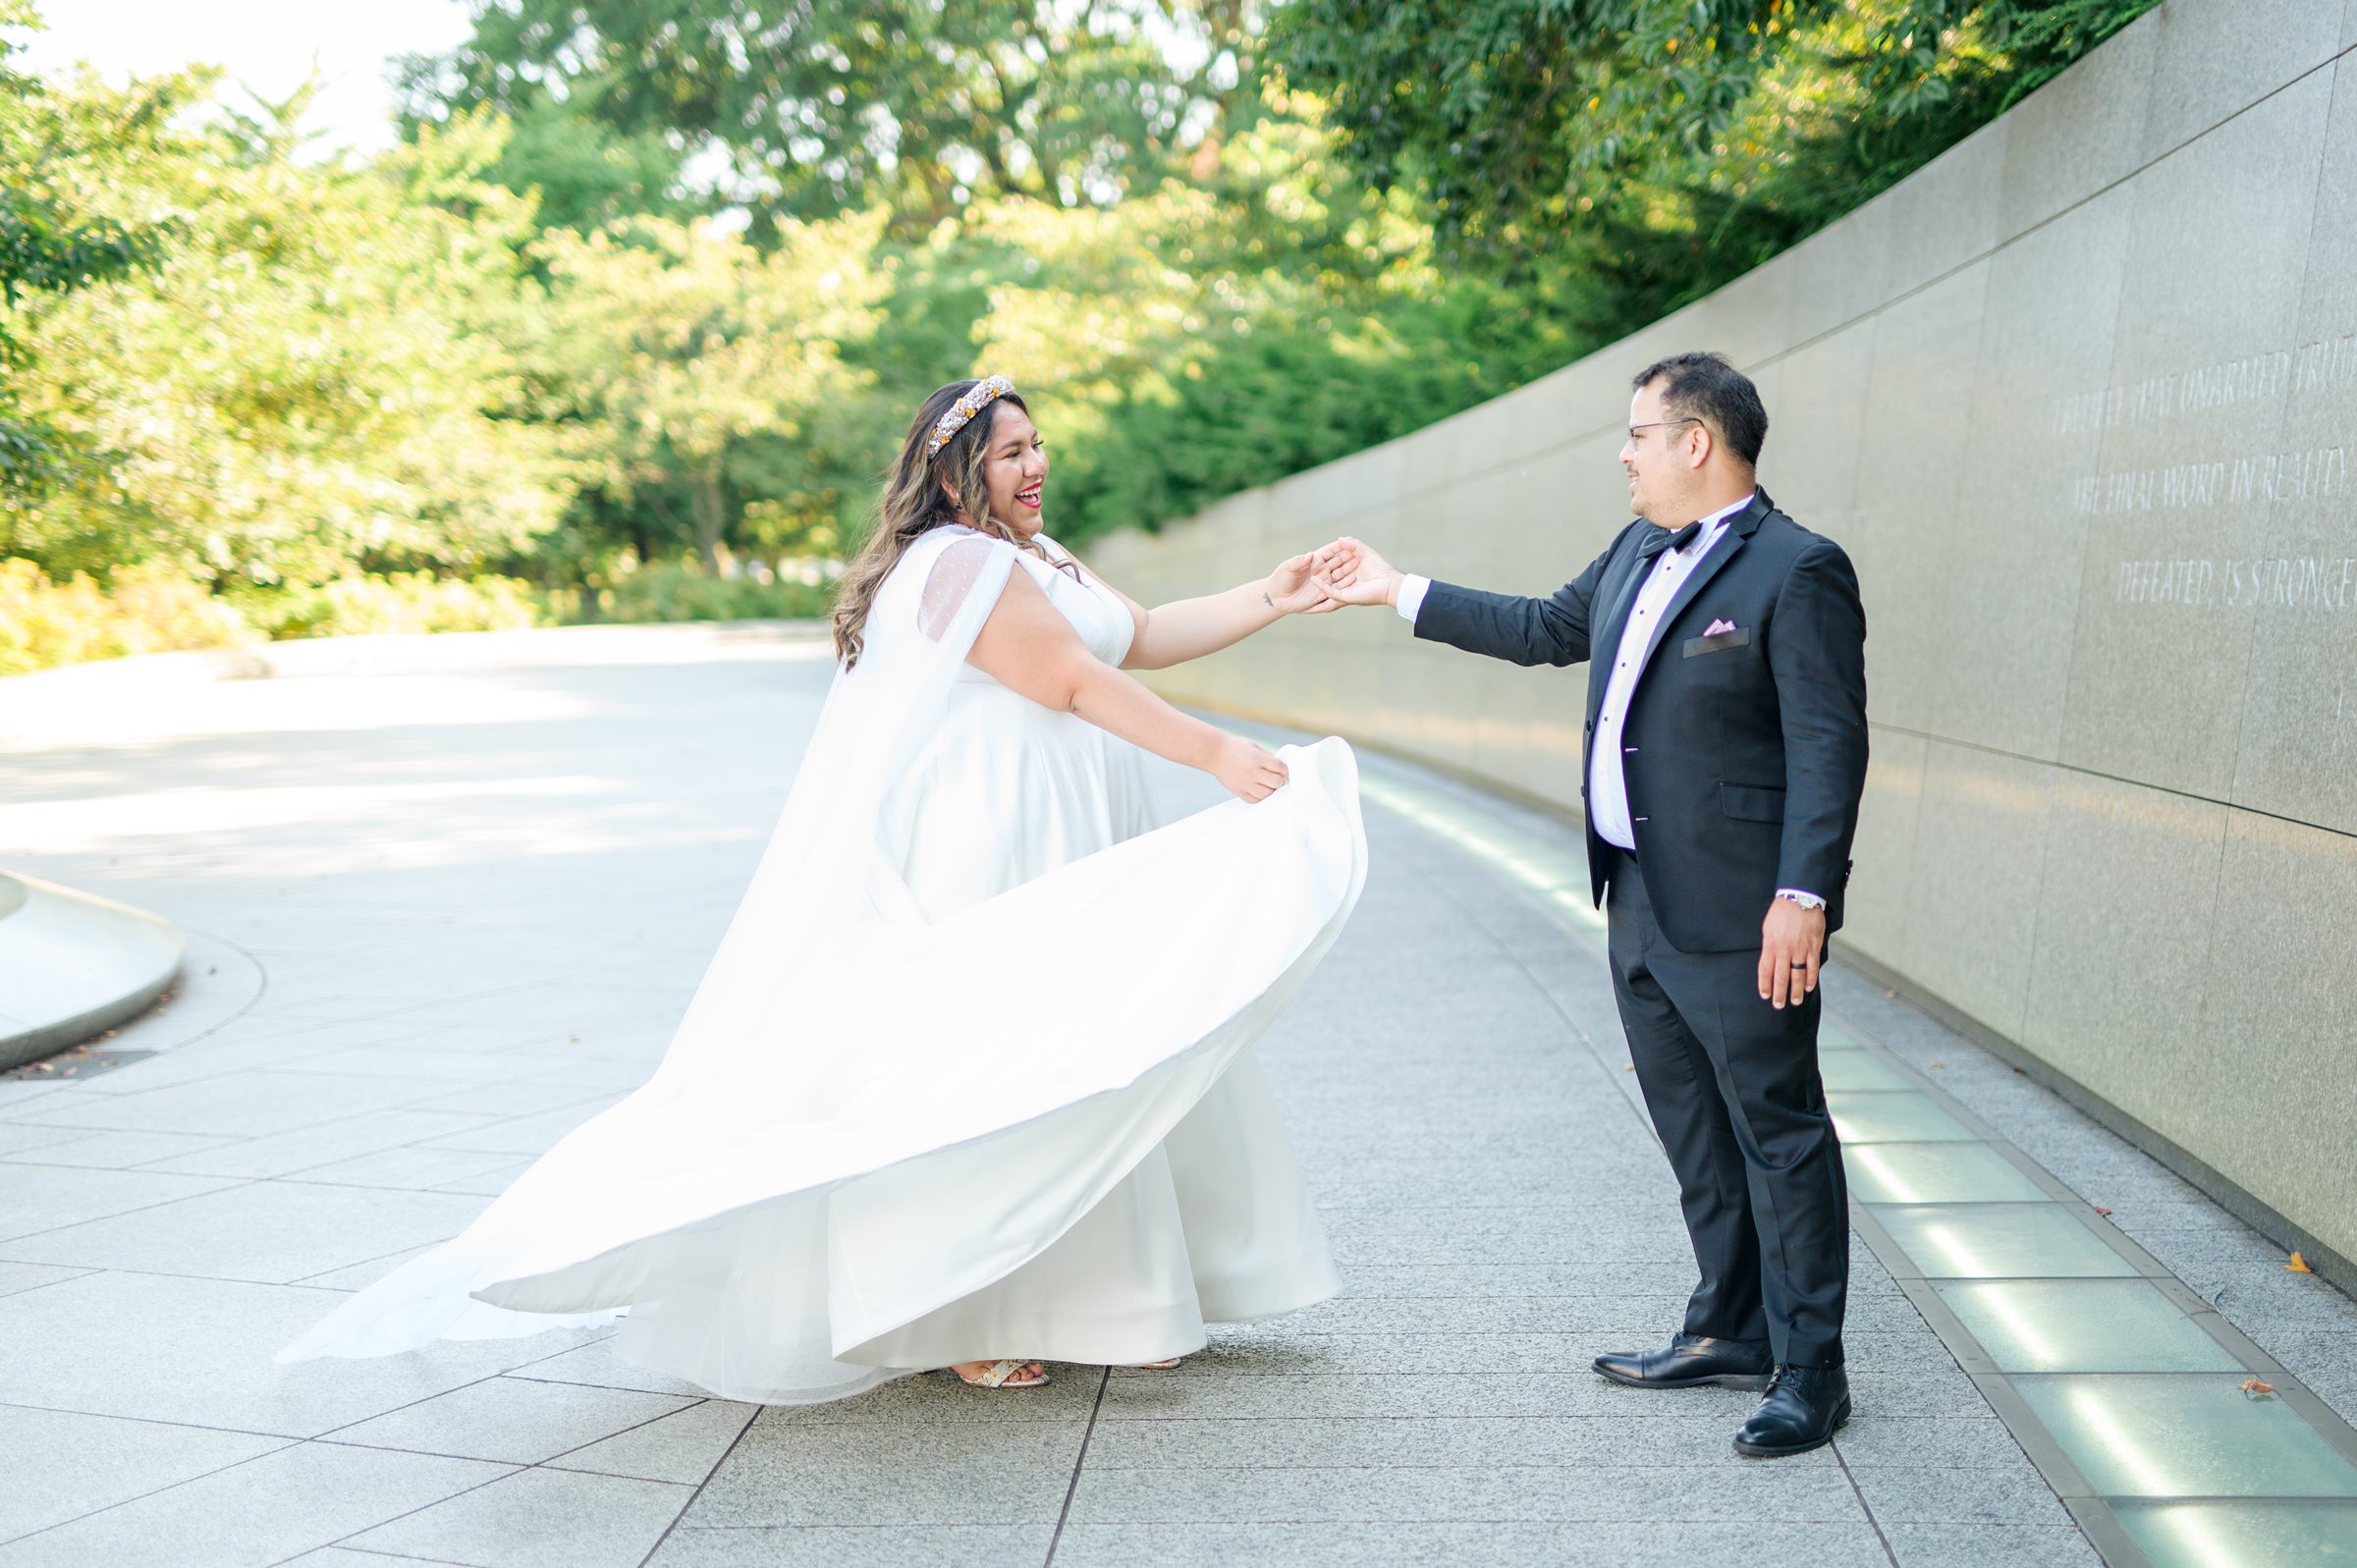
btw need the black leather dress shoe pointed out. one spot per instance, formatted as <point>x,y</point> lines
<point>1805,1406</point>
<point>1690,1360</point>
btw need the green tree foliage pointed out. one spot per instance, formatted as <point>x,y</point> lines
<point>580,171</point>
<point>313,382</point>
<point>50,243</point>
<point>1214,336</point>
<point>667,350</point>
<point>817,107</point>
<point>1670,143</point>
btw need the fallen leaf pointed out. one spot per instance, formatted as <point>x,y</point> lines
<point>1891,996</point>
<point>40,1066</point>
<point>1938,1065</point>
<point>2253,1388</point>
<point>2101,1210</point>
<point>69,1072</point>
<point>1628,1067</point>
<point>2017,1069</point>
<point>576,1039</point>
<point>2298,1265</point>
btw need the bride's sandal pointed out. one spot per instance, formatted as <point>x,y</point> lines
<point>1001,1375</point>
<point>1164,1365</point>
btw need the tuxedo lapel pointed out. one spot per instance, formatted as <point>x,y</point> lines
<point>1738,533</point>
<point>1622,598</point>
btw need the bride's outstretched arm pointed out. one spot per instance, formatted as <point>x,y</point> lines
<point>1188,629</point>
<point>1028,647</point>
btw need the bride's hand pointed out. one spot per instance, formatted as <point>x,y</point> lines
<point>1293,589</point>
<point>1247,771</point>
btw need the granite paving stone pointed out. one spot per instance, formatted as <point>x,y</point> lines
<point>938,1400</point>
<point>16,1138</point>
<point>61,1466</point>
<point>511,1419</point>
<point>263,1511</point>
<point>330,1141</point>
<point>596,1365</point>
<point>962,1545</point>
<point>1691,1442</point>
<point>1961,1441</point>
<point>1975,1495</point>
<point>362,1274</point>
<point>930,1473</point>
<point>408,1170</point>
<point>1952,1545</point>
<point>36,1199</point>
<point>1818,1494</point>
<point>159,1347</point>
<point>1653,1543</point>
<point>16,1277</point>
<point>537,1519</point>
<point>681,1447</point>
<point>251,1104</point>
<point>273,1232</point>
<point>1413,1393</point>
<point>105,1151</point>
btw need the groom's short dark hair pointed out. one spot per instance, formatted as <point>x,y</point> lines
<point>1709,386</point>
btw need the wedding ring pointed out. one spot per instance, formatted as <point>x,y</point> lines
<point>1800,966</point>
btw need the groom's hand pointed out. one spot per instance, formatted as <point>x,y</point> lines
<point>1352,575</point>
<point>1791,946</point>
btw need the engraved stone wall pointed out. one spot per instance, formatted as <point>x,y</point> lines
<point>2080,399</point>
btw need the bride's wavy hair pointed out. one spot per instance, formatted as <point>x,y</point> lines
<point>915,502</point>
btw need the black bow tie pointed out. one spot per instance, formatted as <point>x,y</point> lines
<point>1667,539</point>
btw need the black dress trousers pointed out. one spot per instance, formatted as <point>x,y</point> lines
<point>1732,1087</point>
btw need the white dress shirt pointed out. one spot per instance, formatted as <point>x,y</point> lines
<point>1608,781</point>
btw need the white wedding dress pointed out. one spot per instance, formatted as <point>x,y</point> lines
<point>971,1075</point>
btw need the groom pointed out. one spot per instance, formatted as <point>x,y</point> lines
<point>1724,755</point>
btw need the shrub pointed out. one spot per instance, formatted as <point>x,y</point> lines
<point>401,601</point>
<point>151,608</point>
<point>668,591</point>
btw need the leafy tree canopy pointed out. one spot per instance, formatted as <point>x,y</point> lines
<point>52,242</point>
<point>809,108</point>
<point>1514,118</point>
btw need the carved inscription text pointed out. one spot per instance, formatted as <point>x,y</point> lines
<point>2287,583</point>
<point>2263,480</point>
<point>2209,388</point>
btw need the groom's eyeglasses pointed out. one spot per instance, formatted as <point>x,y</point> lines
<point>1636,431</point>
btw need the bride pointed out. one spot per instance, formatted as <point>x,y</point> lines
<point>969,1083</point>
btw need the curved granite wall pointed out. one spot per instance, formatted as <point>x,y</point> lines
<point>2079,398</point>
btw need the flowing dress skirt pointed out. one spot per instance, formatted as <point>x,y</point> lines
<point>1215,1224</point>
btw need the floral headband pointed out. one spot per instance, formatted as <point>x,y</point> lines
<point>978,397</point>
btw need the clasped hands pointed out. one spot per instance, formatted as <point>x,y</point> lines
<point>1329,578</point>
<point>1791,938</point>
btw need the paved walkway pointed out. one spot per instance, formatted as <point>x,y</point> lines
<point>440,918</point>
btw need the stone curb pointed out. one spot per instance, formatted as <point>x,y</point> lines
<point>73,965</point>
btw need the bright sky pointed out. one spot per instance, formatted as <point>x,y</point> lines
<point>269,44</point>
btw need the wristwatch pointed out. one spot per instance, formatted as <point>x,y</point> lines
<point>1807,900</point>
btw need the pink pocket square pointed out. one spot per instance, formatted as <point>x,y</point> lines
<point>1716,626</point>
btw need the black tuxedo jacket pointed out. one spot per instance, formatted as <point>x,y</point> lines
<point>1745,753</point>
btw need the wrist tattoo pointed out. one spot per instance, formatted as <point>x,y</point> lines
<point>1266,599</point>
